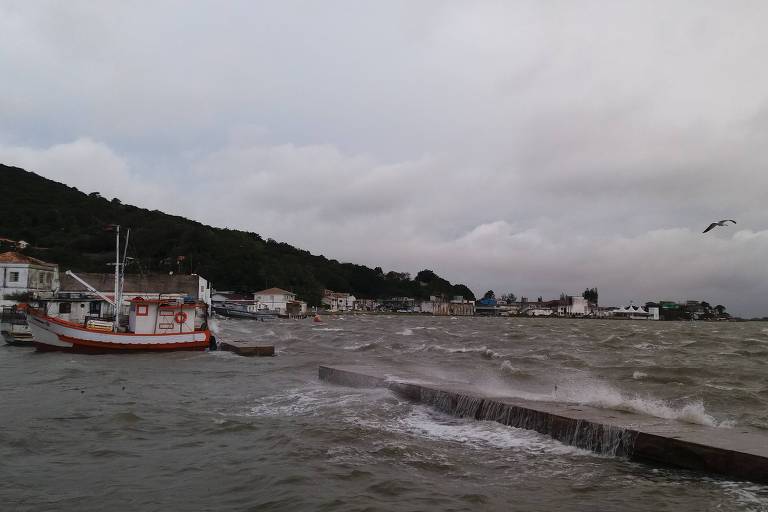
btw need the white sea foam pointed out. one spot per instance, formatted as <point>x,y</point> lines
<point>214,326</point>
<point>490,354</point>
<point>602,395</point>
<point>639,375</point>
<point>405,332</point>
<point>361,347</point>
<point>309,401</point>
<point>510,369</point>
<point>721,388</point>
<point>462,350</point>
<point>752,496</point>
<point>327,329</point>
<point>425,422</point>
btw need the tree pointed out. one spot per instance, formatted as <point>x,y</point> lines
<point>426,276</point>
<point>720,309</point>
<point>489,295</point>
<point>510,297</point>
<point>591,295</point>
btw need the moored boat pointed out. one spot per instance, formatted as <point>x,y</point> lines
<point>153,325</point>
<point>13,327</point>
<point>249,311</point>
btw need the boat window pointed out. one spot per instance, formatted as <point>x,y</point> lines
<point>13,277</point>
<point>65,307</point>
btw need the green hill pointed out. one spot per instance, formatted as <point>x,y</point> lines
<point>66,226</point>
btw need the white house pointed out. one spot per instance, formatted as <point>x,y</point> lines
<point>23,274</point>
<point>338,301</point>
<point>577,306</point>
<point>281,301</point>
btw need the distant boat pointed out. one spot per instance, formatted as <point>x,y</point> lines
<point>153,324</point>
<point>237,310</point>
<point>13,327</point>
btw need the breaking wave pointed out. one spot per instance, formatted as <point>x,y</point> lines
<point>604,396</point>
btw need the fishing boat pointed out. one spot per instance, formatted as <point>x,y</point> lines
<point>13,327</point>
<point>152,324</point>
<point>240,310</point>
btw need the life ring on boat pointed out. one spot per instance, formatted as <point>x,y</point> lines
<point>180,317</point>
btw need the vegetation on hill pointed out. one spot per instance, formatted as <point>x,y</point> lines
<point>66,226</point>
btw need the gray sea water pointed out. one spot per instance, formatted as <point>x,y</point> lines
<point>215,431</point>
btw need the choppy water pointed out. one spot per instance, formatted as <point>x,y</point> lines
<point>214,431</point>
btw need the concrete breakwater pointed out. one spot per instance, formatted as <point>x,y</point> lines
<point>734,452</point>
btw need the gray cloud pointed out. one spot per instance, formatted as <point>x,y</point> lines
<point>529,147</point>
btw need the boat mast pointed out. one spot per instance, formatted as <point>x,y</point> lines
<point>117,277</point>
<point>125,259</point>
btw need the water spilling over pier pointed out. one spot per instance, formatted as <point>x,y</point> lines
<point>741,453</point>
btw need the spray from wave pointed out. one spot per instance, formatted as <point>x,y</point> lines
<point>604,396</point>
<point>214,326</point>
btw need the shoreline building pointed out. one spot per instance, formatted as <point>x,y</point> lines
<point>338,301</point>
<point>21,274</point>
<point>148,286</point>
<point>282,301</point>
<point>457,306</point>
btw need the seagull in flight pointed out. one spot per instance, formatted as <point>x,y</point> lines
<point>721,223</point>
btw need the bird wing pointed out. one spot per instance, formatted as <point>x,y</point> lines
<point>729,220</point>
<point>710,227</point>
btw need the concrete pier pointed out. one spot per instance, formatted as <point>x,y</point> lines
<point>737,452</point>
<point>247,348</point>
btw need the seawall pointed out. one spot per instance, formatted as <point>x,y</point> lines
<point>740,453</point>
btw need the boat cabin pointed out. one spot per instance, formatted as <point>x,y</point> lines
<point>159,316</point>
<point>76,310</point>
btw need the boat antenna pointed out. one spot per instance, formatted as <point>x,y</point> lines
<point>122,275</point>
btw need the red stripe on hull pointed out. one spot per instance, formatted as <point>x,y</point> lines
<point>87,349</point>
<point>79,345</point>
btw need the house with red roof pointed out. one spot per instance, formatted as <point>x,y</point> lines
<point>21,274</point>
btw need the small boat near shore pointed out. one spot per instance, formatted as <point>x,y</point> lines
<point>237,310</point>
<point>13,327</point>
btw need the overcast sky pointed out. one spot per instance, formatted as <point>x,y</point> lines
<point>532,147</point>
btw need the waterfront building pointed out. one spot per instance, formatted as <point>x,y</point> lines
<point>399,304</point>
<point>24,275</point>
<point>337,301</point>
<point>144,286</point>
<point>282,301</point>
<point>457,306</point>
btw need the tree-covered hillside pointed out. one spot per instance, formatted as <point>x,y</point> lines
<point>66,226</point>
